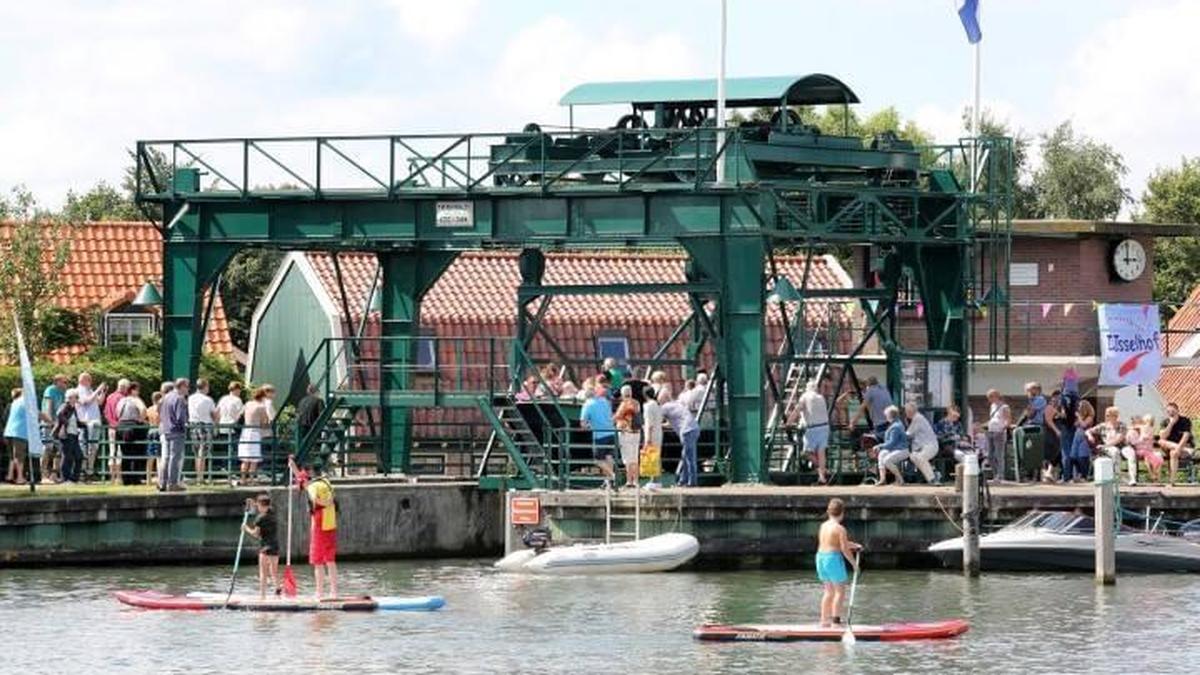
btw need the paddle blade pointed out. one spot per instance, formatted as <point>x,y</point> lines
<point>289,582</point>
<point>848,638</point>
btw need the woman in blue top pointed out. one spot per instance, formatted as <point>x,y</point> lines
<point>894,448</point>
<point>16,435</point>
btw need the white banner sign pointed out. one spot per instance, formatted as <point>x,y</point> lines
<point>1129,344</point>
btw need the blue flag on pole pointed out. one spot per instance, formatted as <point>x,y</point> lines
<point>969,14</point>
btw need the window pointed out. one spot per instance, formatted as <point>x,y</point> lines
<point>426,356</point>
<point>127,329</point>
<point>613,345</point>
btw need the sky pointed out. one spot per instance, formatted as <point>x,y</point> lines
<point>82,80</point>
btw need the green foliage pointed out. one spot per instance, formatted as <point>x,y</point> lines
<point>141,363</point>
<point>65,328</point>
<point>1173,196</point>
<point>243,284</point>
<point>1025,203</point>
<point>1079,177</point>
<point>32,259</point>
<point>102,202</point>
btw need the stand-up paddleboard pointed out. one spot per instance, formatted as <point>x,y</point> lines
<point>204,601</point>
<point>888,632</point>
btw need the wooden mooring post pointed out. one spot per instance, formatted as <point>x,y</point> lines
<point>970,515</point>
<point>1106,521</point>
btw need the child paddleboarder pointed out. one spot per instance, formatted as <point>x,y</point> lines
<point>265,529</point>
<point>834,550</point>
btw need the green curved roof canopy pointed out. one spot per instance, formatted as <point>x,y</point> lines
<point>740,92</point>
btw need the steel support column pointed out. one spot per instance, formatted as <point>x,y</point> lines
<point>736,263</point>
<point>407,276</point>
<point>189,268</point>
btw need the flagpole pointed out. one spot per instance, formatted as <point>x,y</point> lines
<point>721,97</point>
<point>975,121</point>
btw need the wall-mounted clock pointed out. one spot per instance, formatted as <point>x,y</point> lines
<point>1128,260</point>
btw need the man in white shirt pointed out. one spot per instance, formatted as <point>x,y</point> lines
<point>87,410</point>
<point>999,419</point>
<point>229,417</point>
<point>812,414</point>
<point>202,414</point>
<point>923,442</point>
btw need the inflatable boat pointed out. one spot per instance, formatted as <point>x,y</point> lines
<point>888,632</point>
<point>655,554</point>
<point>204,601</point>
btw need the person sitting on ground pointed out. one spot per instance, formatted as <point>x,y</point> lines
<point>999,420</point>
<point>1175,440</point>
<point>894,448</point>
<point>1111,435</point>
<point>1141,437</point>
<point>876,400</point>
<point>597,417</point>
<point>923,443</point>
<point>628,421</point>
<point>1075,466</point>
<point>812,414</point>
<point>834,550</point>
<point>265,529</point>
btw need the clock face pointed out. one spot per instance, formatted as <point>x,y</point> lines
<point>1129,260</point>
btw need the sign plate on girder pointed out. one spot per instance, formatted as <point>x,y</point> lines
<point>525,511</point>
<point>456,214</point>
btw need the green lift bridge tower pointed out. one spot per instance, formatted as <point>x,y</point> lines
<point>416,201</point>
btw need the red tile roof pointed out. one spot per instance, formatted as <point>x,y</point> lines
<point>108,263</point>
<point>481,286</point>
<point>1179,384</point>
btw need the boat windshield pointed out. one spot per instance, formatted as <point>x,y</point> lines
<point>1056,521</point>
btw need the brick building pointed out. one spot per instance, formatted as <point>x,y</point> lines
<point>107,265</point>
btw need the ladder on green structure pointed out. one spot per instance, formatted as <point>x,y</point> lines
<point>622,510</point>
<point>799,373</point>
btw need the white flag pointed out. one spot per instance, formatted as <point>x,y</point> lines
<point>29,396</point>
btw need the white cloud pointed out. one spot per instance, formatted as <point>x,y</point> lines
<point>1135,83</point>
<point>436,23</point>
<point>549,57</point>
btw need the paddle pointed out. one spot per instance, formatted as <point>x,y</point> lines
<point>238,558</point>
<point>289,578</point>
<point>848,636</point>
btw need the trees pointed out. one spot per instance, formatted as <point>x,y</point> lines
<point>32,257</point>
<point>243,285</point>
<point>1173,196</point>
<point>102,202</point>
<point>1079,177</point>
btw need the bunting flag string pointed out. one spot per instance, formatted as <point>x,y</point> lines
<point>1067,308</point>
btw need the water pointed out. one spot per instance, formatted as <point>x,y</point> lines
<point>64,620</point>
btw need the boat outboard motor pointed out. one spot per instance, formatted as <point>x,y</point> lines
<point>537,539</point>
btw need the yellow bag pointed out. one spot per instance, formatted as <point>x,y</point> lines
<point>650,465</point>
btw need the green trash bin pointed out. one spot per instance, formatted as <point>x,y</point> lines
<point>1028,452</point>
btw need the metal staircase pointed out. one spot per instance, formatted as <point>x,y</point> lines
<point>527,460</point>
<point>799,373</point>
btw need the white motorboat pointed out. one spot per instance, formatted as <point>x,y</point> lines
<point>1056,540</point>
<point>654,554</point>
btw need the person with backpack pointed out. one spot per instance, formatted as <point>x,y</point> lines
<point>322,509</point>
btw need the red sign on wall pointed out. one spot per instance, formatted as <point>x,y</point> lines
<point>525,511</point>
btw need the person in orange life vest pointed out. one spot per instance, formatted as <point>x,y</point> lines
<point>322,507</point>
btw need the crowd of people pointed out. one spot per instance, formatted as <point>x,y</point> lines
<point>1056,437</point>
<point>90,431</point>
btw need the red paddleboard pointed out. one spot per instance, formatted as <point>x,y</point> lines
<point>888,632</point>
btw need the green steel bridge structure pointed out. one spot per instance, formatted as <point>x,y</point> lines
<point>416,201</point>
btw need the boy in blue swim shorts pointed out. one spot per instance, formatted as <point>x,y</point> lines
<point>834,550</point>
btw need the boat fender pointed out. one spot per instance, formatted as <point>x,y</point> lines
<point>538,539</point>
